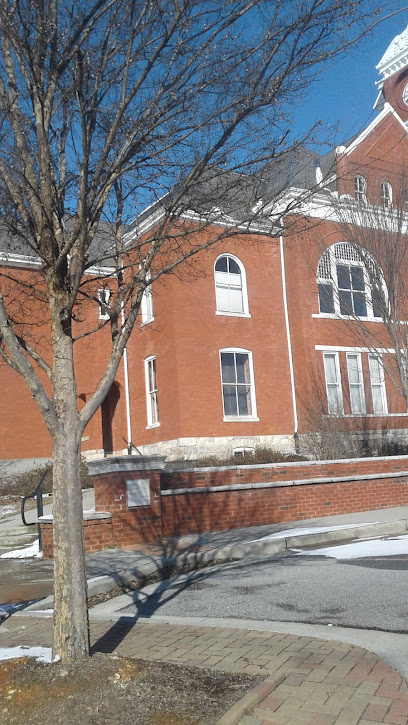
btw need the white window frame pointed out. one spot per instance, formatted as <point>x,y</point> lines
<point>146,305</point>
<point>386,194</point>
<point>328,262</point>
<point>103,302</point>
<point>360,189</point>
<point>152,407</point>
<point>359,385</point>
<point>381,384</point>
<point>244,291</point>
<point>253,415</point>
<point>340,410</point>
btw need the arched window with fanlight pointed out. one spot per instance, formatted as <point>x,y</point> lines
<point>360,189</point>
<point>386,194</point>
<point>230,286</point>
<point>345,279</point>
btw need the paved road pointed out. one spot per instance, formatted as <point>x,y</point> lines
<point>367,593</point>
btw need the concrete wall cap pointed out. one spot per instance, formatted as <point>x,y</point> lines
<point>88,516</point>
<point>118,464</point>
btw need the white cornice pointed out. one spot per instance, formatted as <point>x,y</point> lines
<point>395,57</point>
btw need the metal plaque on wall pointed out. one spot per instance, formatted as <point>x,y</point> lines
<point>138,492</point>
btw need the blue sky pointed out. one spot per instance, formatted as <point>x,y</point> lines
<point>343,95</point>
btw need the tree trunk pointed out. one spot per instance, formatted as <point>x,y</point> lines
<point>71,628</point>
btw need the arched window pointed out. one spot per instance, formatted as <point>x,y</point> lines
<point>360,189</point>
<point>230,286</point>
<point>386,194</point>
<point>345,275</point>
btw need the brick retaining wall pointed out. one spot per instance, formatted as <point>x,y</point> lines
<point>97,534</point>
<point>255,495</point>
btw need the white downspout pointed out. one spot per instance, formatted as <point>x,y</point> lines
<point>289,344</point>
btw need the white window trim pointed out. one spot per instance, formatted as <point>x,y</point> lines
<point>335,316</point>
<point>340,388</point>
<point>146,305</point>
<point>361,382</point>
<point>244,291</point>
<point>149,415</point>
<point>334,261</point>
<point>382,383</point>
<point>103,301</point>
<point>240,418</point>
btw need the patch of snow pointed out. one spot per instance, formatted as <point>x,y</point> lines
<point>7,510</point>
<point>362,549</point>
<point>41,654</point>
<point>310,530</point>
<point>31,551</point>
<point>96,578</point>
<point>90,511</point>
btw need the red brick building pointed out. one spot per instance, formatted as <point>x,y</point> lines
<point>276,334</point>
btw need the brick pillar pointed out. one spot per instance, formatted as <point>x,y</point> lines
<point>129,488</point>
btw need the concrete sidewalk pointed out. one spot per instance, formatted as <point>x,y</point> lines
<point>114,568</point>
<point>307,681</point>
<point>117,567</point>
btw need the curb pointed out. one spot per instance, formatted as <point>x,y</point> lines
<point>249,701</point>
<point>235,552</point>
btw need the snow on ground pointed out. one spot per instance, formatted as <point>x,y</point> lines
<point>310,530</point>
<point>32,551</point>
<point>41,654</point>
<point>362,549</point>
<point>7,510</point>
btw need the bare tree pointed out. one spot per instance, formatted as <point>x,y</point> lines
<point>105,106</point>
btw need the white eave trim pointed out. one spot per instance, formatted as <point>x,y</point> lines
<point>387,109</point>
<point>19,260</point>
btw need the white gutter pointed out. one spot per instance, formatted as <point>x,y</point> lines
<point>285,307</point>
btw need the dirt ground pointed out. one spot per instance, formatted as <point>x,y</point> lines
<point>115,690</point>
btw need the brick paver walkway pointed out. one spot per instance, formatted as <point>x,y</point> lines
<point>316,682</point>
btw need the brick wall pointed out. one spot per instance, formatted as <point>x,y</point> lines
<point>133,525</point>
<point>97,535</point>
<point>285,493</point>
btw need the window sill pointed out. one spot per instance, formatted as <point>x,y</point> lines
<point>240,419</point>
<point>147,322</point>
<point>153,425</point>
<point>369,415</point>
<point>232,314</point>
<point>331,316</point>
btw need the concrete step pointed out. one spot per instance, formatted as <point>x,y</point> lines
<point>17,530</point>
<point>16,537</point>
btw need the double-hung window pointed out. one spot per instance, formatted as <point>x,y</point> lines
<point>237,382</point>
<point>152,406</point>
<point>356,384</point>
<point>230,286</point>
<point>333,383</point>
<point>377,383</point>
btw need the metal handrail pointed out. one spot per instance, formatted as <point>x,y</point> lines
<point>37,494</point>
